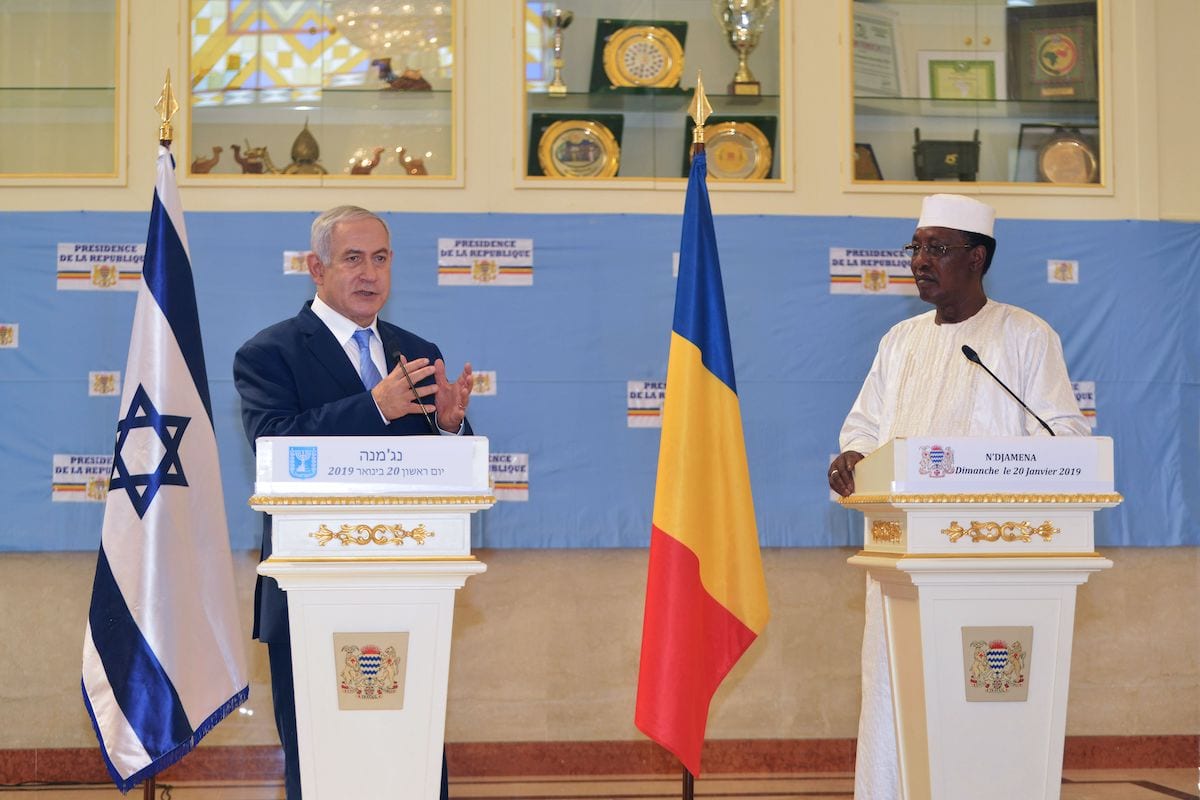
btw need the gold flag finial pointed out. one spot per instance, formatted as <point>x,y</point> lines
<point>700,110</point>
<point>166,108</point>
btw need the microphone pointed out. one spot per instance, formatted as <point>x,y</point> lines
<point>973,356</point>
<point>433,428</point>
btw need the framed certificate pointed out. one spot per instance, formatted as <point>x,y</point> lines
<point>638,55</point>
<point>878,55</point>
<point>575,145</point>
<point>1052,52</point>
<point>961,74</point>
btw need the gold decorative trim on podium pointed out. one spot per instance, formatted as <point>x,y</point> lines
<point>371,534</point>
<point>885,531</point>
<point>974,555</point>
<point>380,500</point>
<point>975,499</point>
<point>368,559</point>
<point>995,531</point>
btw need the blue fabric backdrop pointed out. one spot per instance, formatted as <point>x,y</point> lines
<point>598,315</point>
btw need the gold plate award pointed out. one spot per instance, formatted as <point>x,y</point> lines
<point>643,56</point>
<point>737,151</point>
<point>579,148</point>
<point>1067,158</point>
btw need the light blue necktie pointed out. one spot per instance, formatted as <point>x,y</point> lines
<point>366,367</point>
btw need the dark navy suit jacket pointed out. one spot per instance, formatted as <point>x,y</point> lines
<point>295,380</point>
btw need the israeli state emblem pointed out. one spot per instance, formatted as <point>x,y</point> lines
<point>936,461</point>
<point>874,280</point>
<point>997,666</point>
<point>484,270</point>
<point>105,276</point>
<point>302,462</point>
<point>369,672</point>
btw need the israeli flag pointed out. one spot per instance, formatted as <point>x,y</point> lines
<point>163,656</point>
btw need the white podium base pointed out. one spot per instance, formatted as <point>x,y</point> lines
<point>344,615</point>
<point>952,748</point>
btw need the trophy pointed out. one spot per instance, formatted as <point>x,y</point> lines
<point>558,20</point>
<point>742,21</point>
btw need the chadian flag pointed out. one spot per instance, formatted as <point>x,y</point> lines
<point>706,596</point>
<point>163,656</point>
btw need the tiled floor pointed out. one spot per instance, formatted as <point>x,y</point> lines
<point>1160,784</point>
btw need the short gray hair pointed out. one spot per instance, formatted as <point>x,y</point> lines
<point>321,239</point>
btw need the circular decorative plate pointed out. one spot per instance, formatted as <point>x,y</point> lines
<point>578,148</point>
<point>737,151</point>
<point>1068,158</point>
<point>643,56</point>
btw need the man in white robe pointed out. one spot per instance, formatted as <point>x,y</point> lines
<point>922,384</point>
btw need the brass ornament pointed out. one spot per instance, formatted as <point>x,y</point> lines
<point>371,534</point>
<point>167,106</point>
<point>996,531</point>
<point>737,151</point>
<point>579,148</point>
<point>1068,158</point>
<point>644,56</point>
<point>306,154</point>
<point>885,531</point>
<point>255,161</point>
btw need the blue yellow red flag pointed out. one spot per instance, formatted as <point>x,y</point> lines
<point>706,596</point>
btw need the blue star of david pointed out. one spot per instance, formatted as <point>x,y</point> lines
<point>141,488</point>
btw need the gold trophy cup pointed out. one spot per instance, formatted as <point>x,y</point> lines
<point>558,20</point>
<point>743,21</point>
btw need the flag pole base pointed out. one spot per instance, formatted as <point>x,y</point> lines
<point>148,788</point>
<point>689,785</point>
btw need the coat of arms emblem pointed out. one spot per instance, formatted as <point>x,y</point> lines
<point>97,489</point>
<point>302,462</point>
<point>482,383</point>
<point>8,335</point>
<point>369,672</point>
<point>997,666</point>
<point>936,461</point>
<point>1064,271</point>
<point>484,270</point>
<point>874,280</point>
<point>104,383</point>
<point>105,276</point>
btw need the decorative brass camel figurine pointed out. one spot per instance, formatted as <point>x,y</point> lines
<point>202,166</point>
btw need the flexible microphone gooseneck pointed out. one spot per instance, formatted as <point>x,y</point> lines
<point>433,426</point>
<point>974,357</point>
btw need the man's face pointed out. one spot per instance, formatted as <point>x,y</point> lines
<point>947,279</point>
<point>357,281</point>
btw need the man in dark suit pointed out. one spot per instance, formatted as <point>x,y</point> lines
<point>337,369</point>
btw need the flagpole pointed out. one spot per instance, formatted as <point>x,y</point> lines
<point>699,112</point>
<point>166,107</point>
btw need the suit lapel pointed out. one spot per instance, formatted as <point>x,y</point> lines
<point>329,353</point>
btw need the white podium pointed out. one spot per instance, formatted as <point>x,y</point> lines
<point>371,538</point>
<point>979,545</point>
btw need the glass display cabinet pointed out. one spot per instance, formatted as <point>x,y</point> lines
<point>320,91</point>
<point>979,90</point>
<point>61,111</point>
<point>607,85</point>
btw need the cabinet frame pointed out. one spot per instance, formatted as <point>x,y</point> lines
<point>1104,186</point>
